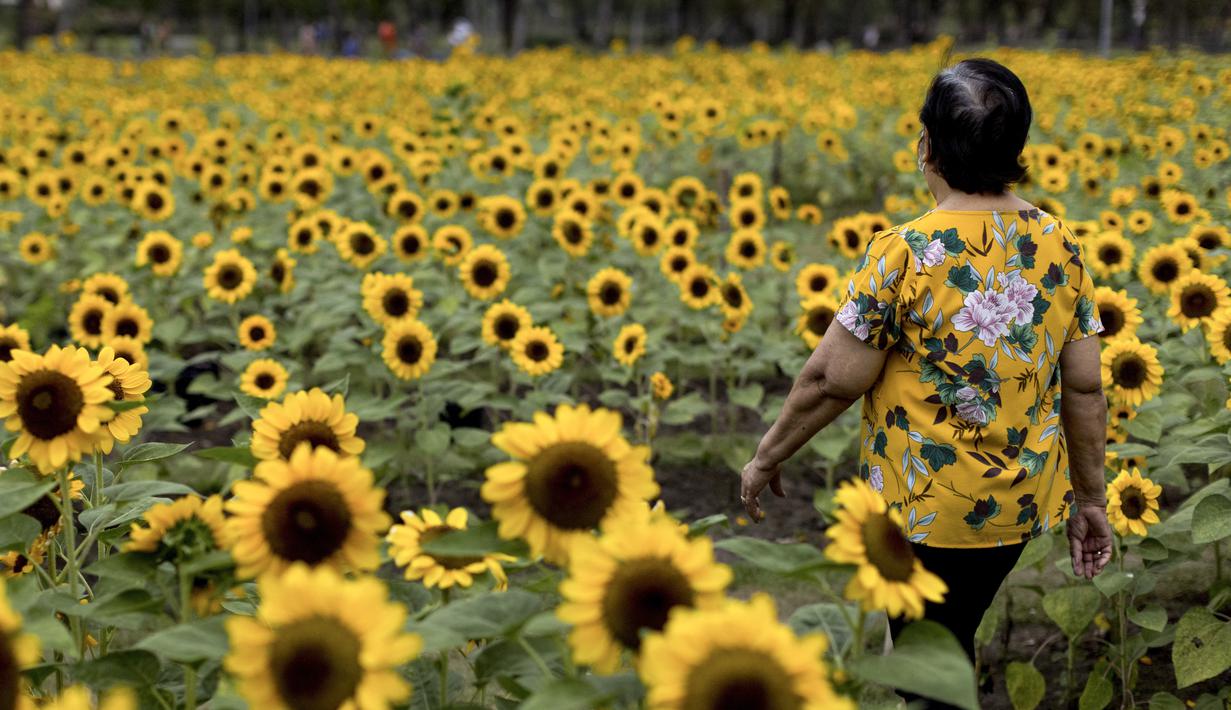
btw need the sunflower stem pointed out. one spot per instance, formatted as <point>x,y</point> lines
<point>96,496</point>
<point>534,656</point>
<point>857,645</point>
<point>70,555</point>
<point>190,687</point>
<point>190,673</point>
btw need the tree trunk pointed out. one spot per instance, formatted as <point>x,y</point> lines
<point>603,17</point>
<point>21,33</point>
<point>509,10</point>
<point>1104,32</point>
<point>636,25</point>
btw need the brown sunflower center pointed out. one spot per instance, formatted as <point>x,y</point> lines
<point>127,327</point>
<point>315,664</point>
<point>154,201</point>
<point>313,432</point>
<point>409,350</point>
<point>256,333</point>
<point>265,381</point>
<point>680,263</point>
<point>610,293</point>
<point>160,254</point>
<point>10,674</point>
<point>277,272</point>
<point>362,244</point>
<point>506,327</point>
<point>1129,371</point>
<point>7,346</point>
<point>117,390</point>
<point>230,277</point>
<point>747,249</point>
<point>505,219</point>
<point>572,485</point>
<point>887,548</point>
<point>851,237</point>
<point>1112,318</point>
<point>537,350</point>
<point>44,510</point>
<point>649,236</point>
<point>819,319</point>
<point>108,293</point>
<point>1183,208</point>
<point>747,218</point>
<point>640,595</point>
<point>572,233</point>
<point>1110,254</point>
<point>1197,301</point>
<point>630,344</point>
<point>303,237</point>
<point>92,322</point>
<point>733,295</point>
<point>395,303</point>
<point>307,522</point>
<point>818,284</point>
<point>699,287</point>
<point>48,403</point>
<point>446,561</point>
<point>1132,503</point>
<point>1165,270</point>
<point>740,679</point>
<point>484,274</point>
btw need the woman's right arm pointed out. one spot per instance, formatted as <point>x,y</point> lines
<point>1083,412</point>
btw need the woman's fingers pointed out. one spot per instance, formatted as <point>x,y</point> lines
<point>750,488</point>
<point>775,485</point>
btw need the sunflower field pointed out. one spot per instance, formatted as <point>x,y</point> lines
<point>365,384</point>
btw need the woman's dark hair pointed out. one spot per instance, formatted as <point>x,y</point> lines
<point>977,115</point>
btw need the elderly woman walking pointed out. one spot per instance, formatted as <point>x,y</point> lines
<point>967,332</point>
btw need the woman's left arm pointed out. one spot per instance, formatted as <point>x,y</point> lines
<point>839,371</point>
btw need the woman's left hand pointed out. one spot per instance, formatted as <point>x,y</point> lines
<point>753,480</point>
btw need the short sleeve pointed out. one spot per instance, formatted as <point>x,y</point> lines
<point>873,306</point>
<point>1085,320</point>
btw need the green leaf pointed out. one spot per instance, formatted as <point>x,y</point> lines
<point>209,562</point>
<point>19,489</point>
<point>135,669</point>
<point>149,451</point>
<point>1098,691</point>
<point>702,525</point>
<point>1072,608</point>
<point>1166,701</point>
<point>926,660</point>
<point>252,406</point>
<point>193,642</point>
<point>129,567</point>
<point>507,657</point>
<point>1035,552</point>
<point>827,618</point>
<point>436,638</point>
<point>1025,685</point>
<point>1202,647</point>
<point>433,441</point>
<point>17,531</point>
<point>474,541</point>
<point>1211,519</point>
<point>1152,617</point>
<point>1111,582</point>
<point>339,386</point>
<point>134,490</point>
<point>685,409</point>
<point>489,615</point>
<point>237,455</point>
<point>52,634</point>
<point>781,558</point>
<point>749,397</point>
<point>564,694</point>
<point>127,405</point>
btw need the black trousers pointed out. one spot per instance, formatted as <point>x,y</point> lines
<point>973,576</point>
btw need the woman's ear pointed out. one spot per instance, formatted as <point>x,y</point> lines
<point>923,149</point>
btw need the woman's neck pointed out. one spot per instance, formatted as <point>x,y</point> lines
<point>956,200</point>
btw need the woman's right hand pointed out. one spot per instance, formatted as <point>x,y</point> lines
<point>1089,540</point>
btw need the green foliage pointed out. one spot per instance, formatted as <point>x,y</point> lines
<point>926,660</point>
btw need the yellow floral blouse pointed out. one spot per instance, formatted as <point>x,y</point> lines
<point>962,430</point>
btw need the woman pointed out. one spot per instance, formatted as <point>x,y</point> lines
<point>964,330</point>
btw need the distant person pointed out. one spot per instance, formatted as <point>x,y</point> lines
<point>350,45</point>
<point>307,38</point>
<point>964,331</point>
<point>462,31</point>
<point>387,33</point>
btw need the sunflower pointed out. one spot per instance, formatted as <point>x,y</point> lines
<point>484,272</point>
<point>57,402</point>
<point>537,351</point>
<point>572,232</point>
<point>452,242</point>
<point>734,298</point>
<point>699,287</point>
<point>1132,503</point>
<point>85,320</point>
<point>188,527</point>
<point>319,640</point>
<point>310,416</point>
<point>626,188</point>
<point>1218,335</point>
<point>314,508</point>
<point>609,292</point>
<point>410,242</point>
<point>572,472</point>
<point>359,244</point>
<point>848,236</point>
<point>661,385</point>
<point>443,203</point>
<point>747,215</point>
<point>647,235</point>
<point>409,348</point>
<point>503,321</point>
<point>406,548</point>
<point>405,206</point>
<point>869,534</point>
<point>682,232</point>
<point>628,581</point>
<point>1140,221</point>
<point>303,235</point>
<point>1195,297</point>
<point>264,378</point>
<point>18,650</point>
<point>36,248</point>
<point>502,216</point>
<point>161,251</point>
<point>1113,254</point>
<point>231,276</point>
<point>127,319</point>
<point>782,256</point>
<point>1131,371</point>
<point>542,196</point>
<point>746,249</point>
<point>1117,312</point>
<point>282,271</point>
<point>16,563</point>
<point>1181,207</point>
<point>1210,237</point>
<point>129,349</point>
<point>675,261</point>
<point>257,333</point>
<point>1161,265</point>
<point>129,383</point>
<point>629,345</point>
<point>815,279</point>
<point>809,214</point>
<point>390,298</point>
<point>12,337</point>
<point>737,656</point>
<point>153,201</point>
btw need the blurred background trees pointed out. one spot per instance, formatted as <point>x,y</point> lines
<point>421,26</point>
